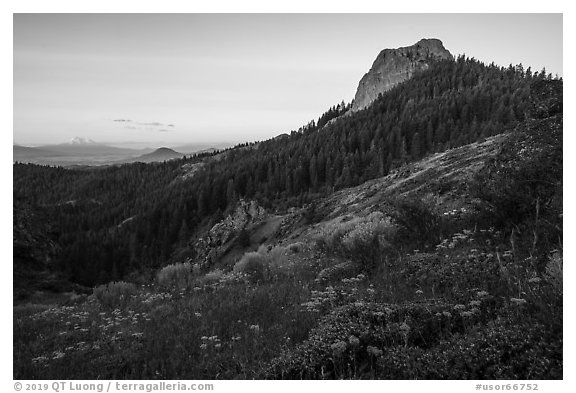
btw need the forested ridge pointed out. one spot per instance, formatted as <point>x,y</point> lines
<point>115,220</point>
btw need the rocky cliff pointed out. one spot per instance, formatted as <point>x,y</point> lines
<point>393,66</point>
<point>213,245</point>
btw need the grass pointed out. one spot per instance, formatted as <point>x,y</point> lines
<point>362,326</point>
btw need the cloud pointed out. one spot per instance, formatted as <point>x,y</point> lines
<point>154,126</point>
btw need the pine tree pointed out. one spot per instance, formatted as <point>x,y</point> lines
<point>230,193</point>
<point>184,233</point>
<point>416,147</point>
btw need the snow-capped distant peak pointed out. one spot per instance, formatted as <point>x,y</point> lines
<point>81,141</point>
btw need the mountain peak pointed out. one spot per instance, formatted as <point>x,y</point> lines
<point>394,66</point>
<point>431,44</point>
<point>164,150</point>
<point>160,154</point>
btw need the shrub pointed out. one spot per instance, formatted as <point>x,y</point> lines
<point>367,240</point>
<point>529,350</point>
<point>254,265</point>
<point>523,182</point>
<point>339,271</point>
<point>277,256</point>
<point>352,335</point>
<point>114,294</point>
<point>418,222</point>
<point>295,248</point>
<point>213,276</point>
<point>178,275</point>
<point>363,239</point>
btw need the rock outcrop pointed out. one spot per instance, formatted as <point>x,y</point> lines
<point>211,246</point>
<point>394,66</point>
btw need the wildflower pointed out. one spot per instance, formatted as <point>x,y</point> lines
<point>419,292</point>
<point>459,307</point>
<point>203,347</point>
<point>354,341</point>
<point>475,303</point>
<point>474,310</point>
<point>39,359</point>
<point>466,314</point>
<point>374,351</point>
<point>137,335</point>
<point>404,327</point>
<point>218,346</point>
<point>58,355</point>
<point>447,314</point>
<point>517,302</point>
<point>534,280</point>
<point>481,294</point>
<point>255,328</point>
<point>198,315</point>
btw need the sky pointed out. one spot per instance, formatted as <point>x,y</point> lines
<point>150,80</point>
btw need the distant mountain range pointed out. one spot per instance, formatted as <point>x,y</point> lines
<point>87,147</point>
<point>85,151</point>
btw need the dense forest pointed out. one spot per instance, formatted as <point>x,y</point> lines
<point>111,221</point>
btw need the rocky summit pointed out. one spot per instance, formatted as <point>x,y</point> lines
<point>394,66</point>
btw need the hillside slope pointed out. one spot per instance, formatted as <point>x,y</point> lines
<point>449,267</point>
<point>451,103</point>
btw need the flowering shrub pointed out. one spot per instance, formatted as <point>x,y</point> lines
<point>114,294</point>
<point>347,339</point>
<point>527,348</point>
